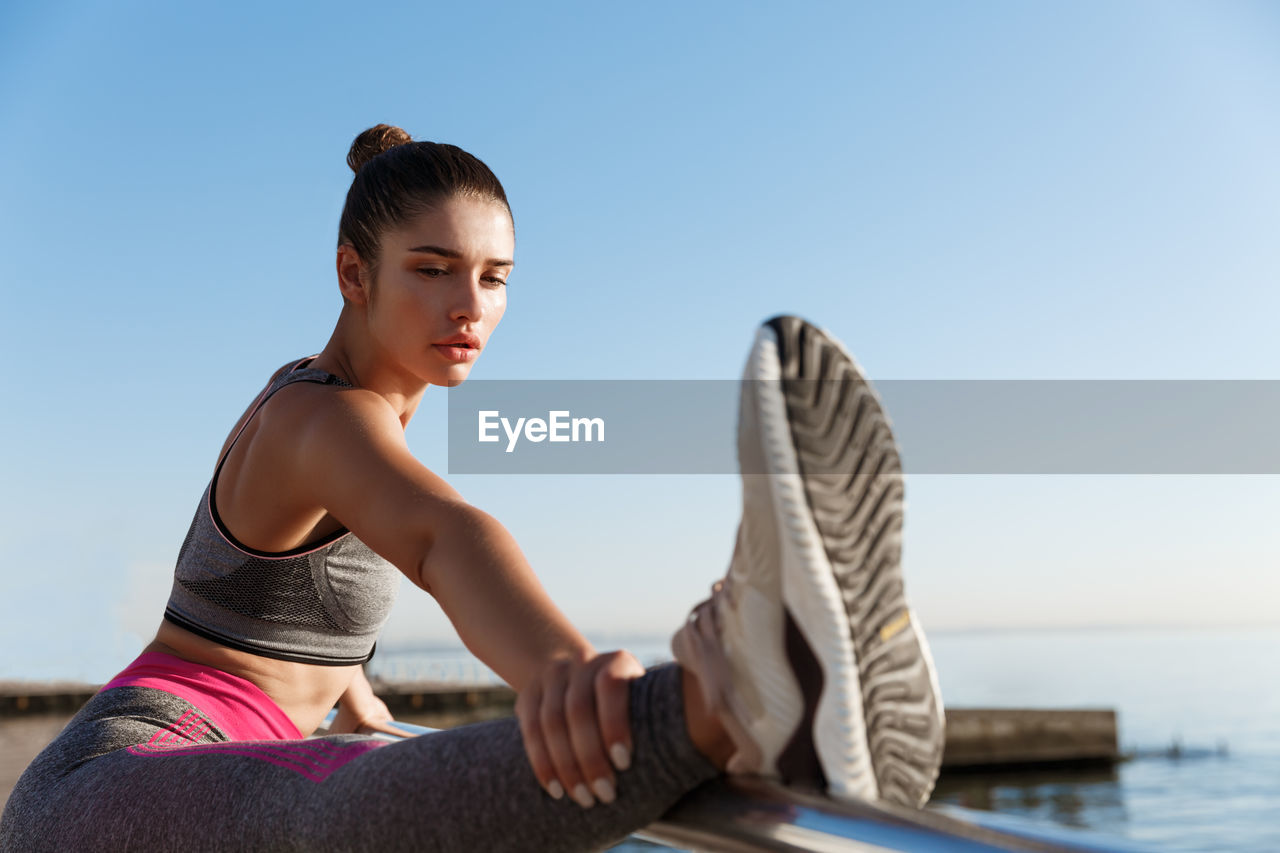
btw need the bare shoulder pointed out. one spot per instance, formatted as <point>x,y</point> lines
<point>329,431</point>
<point>323,413</point>
<point>351,458</point>
<point>247,417</point>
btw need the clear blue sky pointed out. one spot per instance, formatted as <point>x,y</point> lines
<point>992,189</point>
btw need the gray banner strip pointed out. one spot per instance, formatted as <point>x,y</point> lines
<point>942,426</point>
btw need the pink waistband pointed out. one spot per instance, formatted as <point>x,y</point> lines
<point>236,706</point>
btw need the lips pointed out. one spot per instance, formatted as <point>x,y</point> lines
<point>462,339</point>
<point>461,348</point>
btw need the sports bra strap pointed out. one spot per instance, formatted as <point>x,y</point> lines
<point>287,375</point>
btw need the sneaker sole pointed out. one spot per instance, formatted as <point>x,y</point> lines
<point>873,716</point>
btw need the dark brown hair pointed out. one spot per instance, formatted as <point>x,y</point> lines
<point>397,179</point>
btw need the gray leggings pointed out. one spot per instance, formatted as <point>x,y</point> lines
<point>114,780</point>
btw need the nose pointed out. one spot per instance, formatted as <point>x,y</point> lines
<point>468,300</point>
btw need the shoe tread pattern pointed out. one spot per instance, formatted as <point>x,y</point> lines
<point>853,482</point>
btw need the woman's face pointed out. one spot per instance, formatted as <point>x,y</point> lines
<point>440,288</point>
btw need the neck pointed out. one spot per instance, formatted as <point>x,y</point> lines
<point>350,355</point>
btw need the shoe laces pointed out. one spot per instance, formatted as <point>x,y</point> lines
<point>700,647</point>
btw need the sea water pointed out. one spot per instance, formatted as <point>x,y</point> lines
<point>1198,708</point>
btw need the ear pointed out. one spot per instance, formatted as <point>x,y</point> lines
<point>353,275</point>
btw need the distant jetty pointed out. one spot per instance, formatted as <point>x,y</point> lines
<point>977,738</point>
<point>43,697</point>
<point>1019,738</point>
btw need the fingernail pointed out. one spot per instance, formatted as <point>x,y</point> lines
<point>604,790</point>
<point>621,756</point>
<point>555,789</point>
<point>582,796</point>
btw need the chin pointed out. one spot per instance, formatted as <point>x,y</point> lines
<point>452,378</point>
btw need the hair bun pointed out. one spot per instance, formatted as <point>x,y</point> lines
<point>374,141</point>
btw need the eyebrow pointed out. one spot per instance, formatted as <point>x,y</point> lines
<point>454,254</point>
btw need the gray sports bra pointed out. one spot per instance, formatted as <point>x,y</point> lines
<point>322,603</point>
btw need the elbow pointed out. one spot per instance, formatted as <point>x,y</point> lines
<point>460,535</point>
<point>419,576</point>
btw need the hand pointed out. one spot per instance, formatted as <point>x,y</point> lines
<point>574,718</point>
<point>360,710</point>
<point>368,716</point>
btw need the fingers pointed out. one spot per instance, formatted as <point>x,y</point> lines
<point>576,727</point>
<point>373,716</point>
<point>528,715</point>
<point>613,705</point>
<point>584,735</point>
<point>556,734</point>
<point>372,726</point>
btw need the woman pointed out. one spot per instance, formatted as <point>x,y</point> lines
<point>316,507</point>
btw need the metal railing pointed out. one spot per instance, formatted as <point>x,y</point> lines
<point>747,815</point>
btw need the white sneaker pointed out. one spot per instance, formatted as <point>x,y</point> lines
<point>807,649</point>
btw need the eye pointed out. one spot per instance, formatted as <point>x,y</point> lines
<point>432,272</point>
<point>495,280</point>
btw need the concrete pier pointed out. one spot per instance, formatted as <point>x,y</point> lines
<point>977,738</point>
<point>426,697</point>
<point>43,697</point>
<point>993,738</point>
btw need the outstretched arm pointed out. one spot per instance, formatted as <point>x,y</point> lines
<point>573,702</point>
<point>500,610</point>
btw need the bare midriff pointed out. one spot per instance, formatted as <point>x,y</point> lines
<point>305,692</point>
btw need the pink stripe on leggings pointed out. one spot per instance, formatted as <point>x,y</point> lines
<point>316,760</point>
<point>238,707</point>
